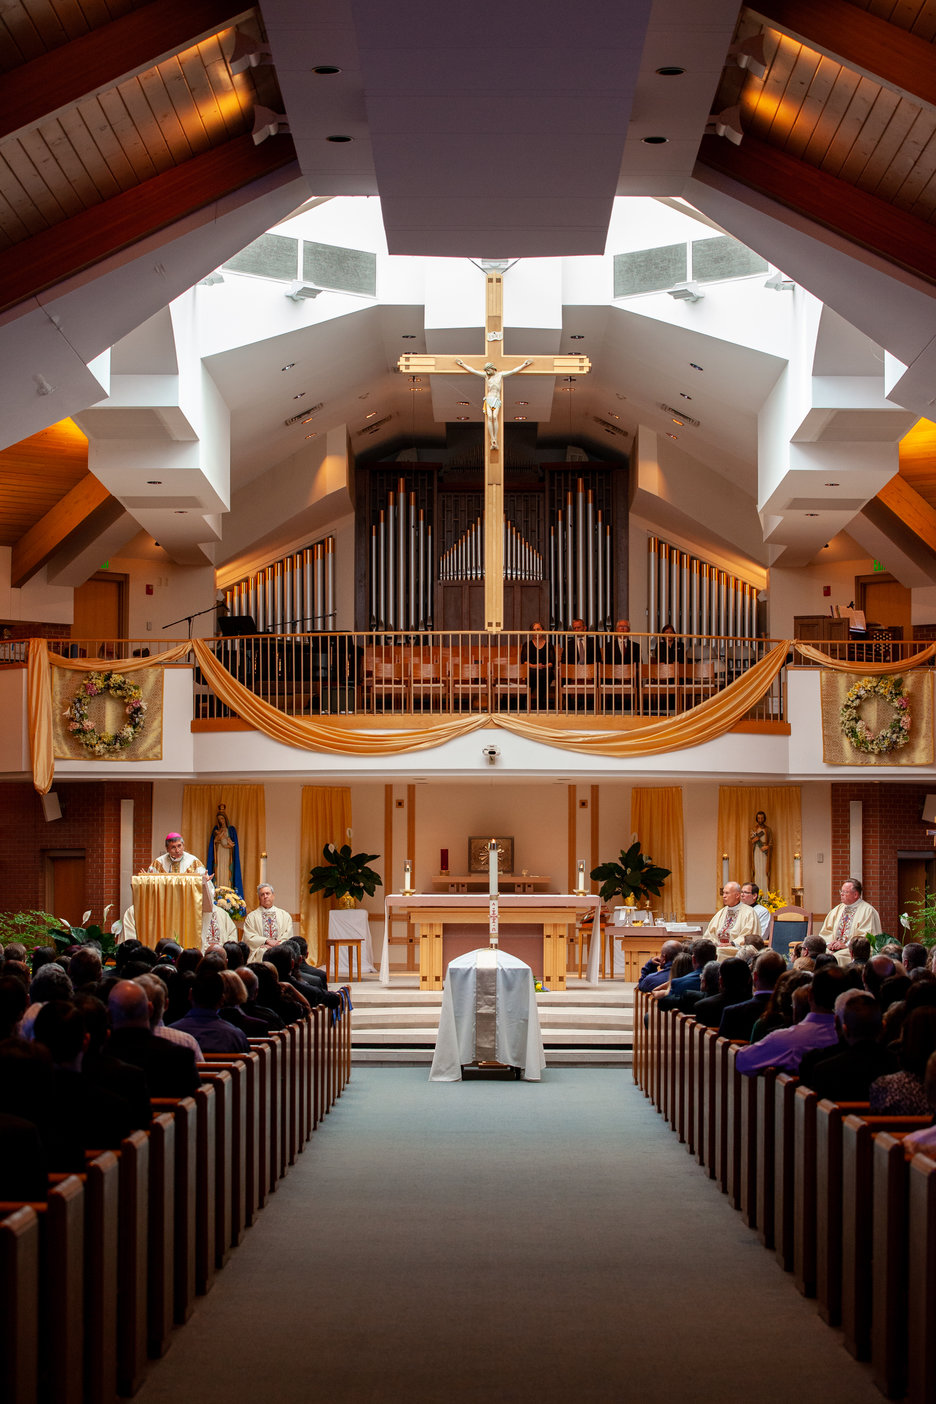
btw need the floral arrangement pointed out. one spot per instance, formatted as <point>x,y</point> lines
<point>773,901</point>
<point>859,733</point>
<point>106,743</point>
<point>231,902</point>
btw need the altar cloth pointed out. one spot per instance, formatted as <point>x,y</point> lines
<point>517,1038</point>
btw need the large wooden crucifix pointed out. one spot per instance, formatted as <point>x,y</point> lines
<point>493,367</point>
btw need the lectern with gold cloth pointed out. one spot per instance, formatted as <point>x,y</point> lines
<point>168,906</point>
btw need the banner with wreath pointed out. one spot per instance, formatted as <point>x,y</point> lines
<point>107,715</point>
<point>877,720</point>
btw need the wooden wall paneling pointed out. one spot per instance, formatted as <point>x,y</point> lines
<point>877,122</point>
<point>814,105</point>
<point>843,90</point>
<point>18,197</point>
<point>802,71</point>
<point>880,160</point>
<point>72,149</point>
<point>118,138</point>
<point>848,128</point>
<point>761,107</point>
<point>198,128</point>
<point>215,110</point>
<point>62,195</point>
<point>167,120</point>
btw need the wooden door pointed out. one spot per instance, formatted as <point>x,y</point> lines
<point>885,601</point>
<point>101,611</point>
<point>916,877</point>
<point>65,885</point>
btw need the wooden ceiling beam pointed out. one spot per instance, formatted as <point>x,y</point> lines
<point>41,542</point>
<point>863,219</point>
<point>861,40</point>
<point>55,254</point>
<point>912,509</point>
<point>106,56</point>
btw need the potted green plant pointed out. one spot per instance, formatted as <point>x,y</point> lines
<point>636,876</point>
<point>344,875</point>
<point>30,929</point>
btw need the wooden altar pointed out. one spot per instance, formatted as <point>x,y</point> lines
<point>448,925</point>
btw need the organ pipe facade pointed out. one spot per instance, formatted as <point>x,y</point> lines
<point>295,595</point>
<point>696,597</point>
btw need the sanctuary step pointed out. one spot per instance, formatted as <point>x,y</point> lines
<point>581,1026</point>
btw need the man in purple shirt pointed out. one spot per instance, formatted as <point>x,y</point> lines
<point>657,969</point>
<point>784,1048</point>
<point>204,1022</point>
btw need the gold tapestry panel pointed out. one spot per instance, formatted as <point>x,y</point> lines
<point>878,713</point>
<point>119,715</point>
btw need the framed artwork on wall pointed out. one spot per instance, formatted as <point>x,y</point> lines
<point>478,854</point>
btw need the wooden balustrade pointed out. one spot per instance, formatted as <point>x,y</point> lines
<point>116,1255</point>
<point>831,1189</point>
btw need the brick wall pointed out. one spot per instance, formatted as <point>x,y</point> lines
<point>90,823</point>
<point>890,824</point>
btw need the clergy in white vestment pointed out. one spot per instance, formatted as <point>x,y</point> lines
<point>175,861</point>
<point>266,925</point>
<point>750,896</point>
<point>217,929</point>
<point>852,917</point>
<point>735,922</point>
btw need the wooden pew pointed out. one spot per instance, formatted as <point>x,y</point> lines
<point>19,1291</point>
<point>858,1223</point>
<point>271,1156</point>
<point>708,1070</point>
<point>750,1148</point>
<point>252,1120</point>
<point>222,1152</point>
<point>60,1372</point>
<point>735,1091</point>
<point>784,1168</point>
<point>921,1338</point>
<point>101,1182</point>
<point>891,1264</point>
<point>829,1119</point>
<point>766,1081</point>
<point>683,1076</point>
<point>133,1263</point>
<point>184,1113</point>
<point>162,1216</point>
<point>206,1180</point>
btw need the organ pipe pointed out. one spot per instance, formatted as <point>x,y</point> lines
<point>696,597</point>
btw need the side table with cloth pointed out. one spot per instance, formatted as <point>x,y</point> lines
<point>169,906</point>
<point>351,925</point>
<point>489,1015</point>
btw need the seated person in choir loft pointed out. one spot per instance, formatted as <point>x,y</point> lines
<point>538,653</point>
<point>621,651</point>
<point>580,651</point>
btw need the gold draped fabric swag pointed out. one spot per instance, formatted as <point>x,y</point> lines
<point>246,810</point>
<point>737,806</point>
<point>657,820</point>
<point>326,818</point>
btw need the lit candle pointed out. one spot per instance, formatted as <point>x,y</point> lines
<point>407,875</point>
<point>797,870</point>
<point>580,879</point>
<point>263,859</point>
<point>724,868</point>
<point>443,860</point>
<point>492,868</point>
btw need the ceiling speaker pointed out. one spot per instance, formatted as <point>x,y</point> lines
<point>929,810</point>
<point>52,809</point>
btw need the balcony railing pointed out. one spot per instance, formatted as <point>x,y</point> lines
<point>438,673</point>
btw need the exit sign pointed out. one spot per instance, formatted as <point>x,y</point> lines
<point>877,565</point>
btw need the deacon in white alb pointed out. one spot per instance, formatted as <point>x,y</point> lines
<point>266,925</point>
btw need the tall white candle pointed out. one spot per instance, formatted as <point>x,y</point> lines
<point>797,870</point>
<point>492,868</point>
<point>724,868</point>
<point>263,863</point>
<point>407,876</point>
<point>580,876</point>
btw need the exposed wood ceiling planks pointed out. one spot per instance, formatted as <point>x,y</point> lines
<point>36,473</point>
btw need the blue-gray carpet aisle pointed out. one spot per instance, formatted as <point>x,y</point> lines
<point>500,1241</point>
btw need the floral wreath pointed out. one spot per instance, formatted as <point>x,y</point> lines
<point>859,733</point>
<point>106,743</point>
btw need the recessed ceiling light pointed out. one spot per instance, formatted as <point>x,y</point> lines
<point>655,140</point>
<point>812,514</point>
<point>567,389</point>
<point>461,402</point>
<point>180,511</point>
<point>613,415</point>
<point>577,336</point>
<point>680,422</point>
<point>339,139</point>
<point>684,395</point>
<point>154,482</point>
<point>300,396</point>
<point>418,389</point>
<point>462,416</point>
<point>832,484</point>
<point>519,416</point>
<point>408,336</point>
<point>671,436</point>
<point>670,71</point>
<point>693,366</point>
<point>311,436</point>
<point>325,70</point>
<point>288,367</point>
<point>308,419</point>
<point>371,415</point>
<point>521,402</point>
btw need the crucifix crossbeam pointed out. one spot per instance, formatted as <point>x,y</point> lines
<point>493,367</point>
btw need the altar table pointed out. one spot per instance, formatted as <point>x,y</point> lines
<point>430,913</point>
<point>492,1020</point>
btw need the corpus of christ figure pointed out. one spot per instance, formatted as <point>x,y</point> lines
<point>492,366</point>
